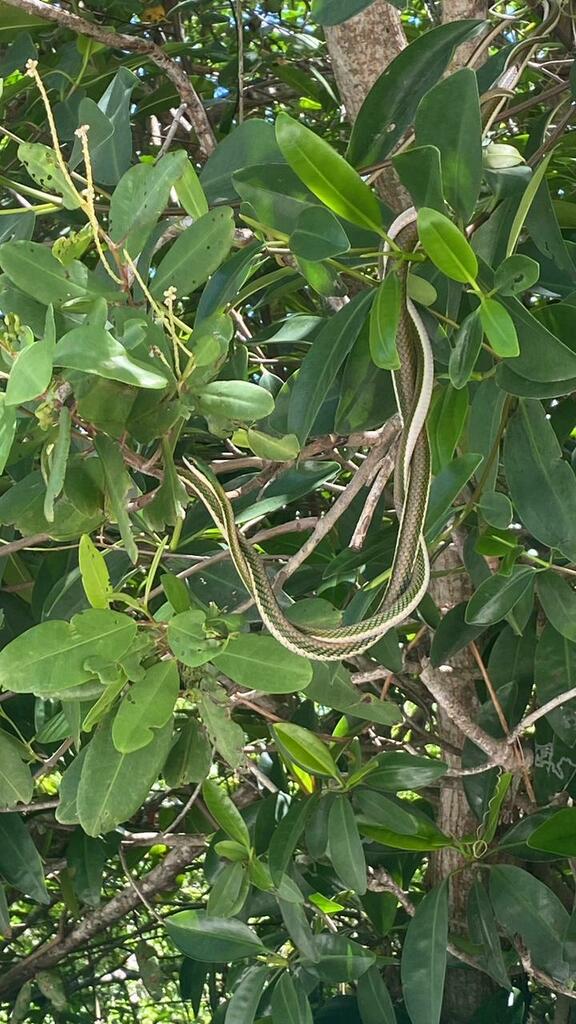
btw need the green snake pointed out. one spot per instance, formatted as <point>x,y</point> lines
<point>410,572</point>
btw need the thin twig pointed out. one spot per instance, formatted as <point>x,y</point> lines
<point>120,41</point>
<point>540,712</point>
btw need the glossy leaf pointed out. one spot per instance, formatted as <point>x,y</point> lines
<point>384,320</point>
<point>318,235</point>
<point>147,706</point>
<point>327,174</point>
<point>391,104</point>
<point>467,342</point>
<point>305,749</point>
<point>499,328</point>
<point>527,907</point>
<point>558,601</point>
<point>542,485</point>
<point>196,254</point>
<point>114,785</point>
<point>484,933</point>
<point>460,132</point>
<point>52,656</point>
<point>374,1002</point>
<point>424,956</point>
<point>446,246</point>
<point>285,838</point>
<point>345,846</point>
<point>225,813</point>
<point>212,940</point>
<point>498,595</point>
<point>94,571</point>
<point>244,1003</point>
<point>289,1002</point>
<point>16,782</point>
<point>20,863</point>
<point>262,663</point>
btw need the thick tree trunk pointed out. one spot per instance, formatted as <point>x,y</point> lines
<point>361,49</point>
<point>466,989</point>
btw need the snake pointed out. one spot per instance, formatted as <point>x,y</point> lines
<point>410,571</point>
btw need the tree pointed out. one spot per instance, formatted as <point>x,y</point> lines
<point>210,312</point>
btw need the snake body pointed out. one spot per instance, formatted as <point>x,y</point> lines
<point>410,571</point>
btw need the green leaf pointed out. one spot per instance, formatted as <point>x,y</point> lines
<point>445,489</point>
<point>374,1002</point>
<point>554,673</point>
<point>139,199</point>
<point>244,1003</point>
<point>528,197</point>
<point>191,756</point>
<point>230,889</point>
<point>497,595</point>
<point>94,573</point>
<point>345,846</point>
<point>384,320</point>
<point>320,365</point>
<point>446,246</point>
<point>262,663</point>
<point>51,657</point>
<point>484,933</point>
<point>391,104</point>
<point>398,771</point>
<point>334,12</point>
<point>195,254</point>
<point>420,171</point>
<point>423,966</point>
<point>558,601</point>
<point>227,736</point>
<point>32,267</point>
<point>496,509</point>
<point>60,452</point>
<point>86,858</point>
<point>318,235</point>
<point>235,400</point>
<point>305,749</point>
<point>188,640</point>
<point>7,430</point>
<point>212,940</point>
<point>147,706</point>
<point>16,782</point>
<point>20,863</point>
<point>110,135</point>
<point>446,421</point>
<point>557,834</point>
<point>499,328</point>
<point>42,165</point>
<point>252,142</point>
<point>289,1002</point>
<point>94,350</point>
<point>286,836</point>
<point>454,135</point>
<point>274,449</point>
<point>525,906</point>
<point>542,485</point>
<point>118,483</point>
<point>30,374</point>
<point>225,813</point>
<point>467,342</point>
<point>339,959</point>
<point>190,192</point>
<point>516,274</point>
<point>327,174</point>
<point>114,785</point>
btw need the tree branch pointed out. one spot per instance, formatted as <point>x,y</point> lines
<point>52,952</point>
<point>120,41</point>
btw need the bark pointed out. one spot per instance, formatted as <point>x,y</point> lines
<point>361,49</point>
<point>457,10</point>
<point>51,953</point>
<point>466,989</point>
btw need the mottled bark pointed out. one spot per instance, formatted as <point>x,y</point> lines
<point>361,49</point>
<point>466,989</point>
<point>457,10</point>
